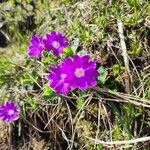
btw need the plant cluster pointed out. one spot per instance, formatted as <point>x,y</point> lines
<point>76,71</point>
<point>73,72</point>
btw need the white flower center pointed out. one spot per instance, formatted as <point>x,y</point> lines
<point>63,76</point>
<point>40,45</point>
<point>11,112</point>
<point>79,72</point>
<point>56,44</point>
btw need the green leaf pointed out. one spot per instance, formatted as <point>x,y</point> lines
<point>136,49</point>
<point>68,51</point>
<point>117,133</point>
<point>47,59</point>
<point>33,105</point>
<point>80,103</point>
<point>103,75</point>
<point>99,147</point>
<point>148,93</point>
<point>117,68</point>
<point>49,93</point>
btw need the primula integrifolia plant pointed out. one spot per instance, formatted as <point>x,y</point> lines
<point>56,42</point>
<point>36,47</point>
<point>53,41</point>
<point>76,72</point>
<point>9,112</point>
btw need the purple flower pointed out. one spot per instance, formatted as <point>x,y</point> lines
<point>57,80</point>
<point>81,72</point>
<point>56,42</point>
<point>9,112</point>
<point>36,46</point>
<point>77,72</point>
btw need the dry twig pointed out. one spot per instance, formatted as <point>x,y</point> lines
<point>125,55</point>
<point>133,141</point>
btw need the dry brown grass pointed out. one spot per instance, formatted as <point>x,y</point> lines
<point>114,114</point>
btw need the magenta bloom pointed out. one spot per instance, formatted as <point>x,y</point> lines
<point>81,72</point>
<point>77,72</point>
<point>36,46</point>
<point>56,42</point>
<point>9,112</point>
<point>57,80</point>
